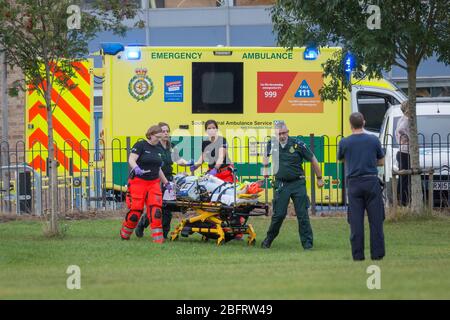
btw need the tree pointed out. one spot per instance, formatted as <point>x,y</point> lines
<point>380,34</point>
<point>43,38</point>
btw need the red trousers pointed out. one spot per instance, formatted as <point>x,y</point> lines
<point>144,192</point>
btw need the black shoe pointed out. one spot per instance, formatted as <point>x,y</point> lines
<point>358,259</point>
<point>139,231</point>
<point>266,244</point>
<point>143,223</point>
<point>377,258</point>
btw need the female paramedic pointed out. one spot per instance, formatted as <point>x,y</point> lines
<point>169,156</point>
<point>214,152</point>
<point>144,185</point>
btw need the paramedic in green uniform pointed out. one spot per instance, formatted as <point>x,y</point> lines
<point>288,155</point>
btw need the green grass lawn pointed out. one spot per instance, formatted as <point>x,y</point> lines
<point>417,264</point>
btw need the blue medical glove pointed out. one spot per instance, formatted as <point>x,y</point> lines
<point>138,171</point>
<point>213,171</point>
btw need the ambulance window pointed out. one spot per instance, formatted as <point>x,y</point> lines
<point>217,87</point>
<point>374,106</point>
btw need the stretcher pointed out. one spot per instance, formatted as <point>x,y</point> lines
<point>216,220</point>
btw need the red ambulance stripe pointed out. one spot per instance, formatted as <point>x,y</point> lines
<point>30,89</point>
<point>37,108</point>
<point>72,142</point>
<point>40,136</point>
<point>38,163</point>
<point>70,112</point>
<point>76,91</point>
<point>82,71</point>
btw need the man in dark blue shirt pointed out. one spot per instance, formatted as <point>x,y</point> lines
<point>362,154</point>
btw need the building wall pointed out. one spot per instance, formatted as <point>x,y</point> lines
<point>209,3</point>
<point>254,2</point>
<point>197,3</point>
<point>16,112</point>
<point>189,4</point>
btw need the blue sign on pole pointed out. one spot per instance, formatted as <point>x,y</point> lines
<point>349,65</point>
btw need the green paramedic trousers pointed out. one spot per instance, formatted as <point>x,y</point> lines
<point>283,192</point>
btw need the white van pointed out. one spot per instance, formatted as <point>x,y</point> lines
<point>433,125</point>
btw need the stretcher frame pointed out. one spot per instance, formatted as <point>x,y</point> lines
<point>215,220</point>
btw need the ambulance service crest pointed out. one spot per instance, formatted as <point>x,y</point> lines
<point>141,86</point>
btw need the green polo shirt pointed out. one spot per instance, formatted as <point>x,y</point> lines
<point>291,158</point>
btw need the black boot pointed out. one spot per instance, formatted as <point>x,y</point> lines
<point>143,223</point>
<point>266,243</point>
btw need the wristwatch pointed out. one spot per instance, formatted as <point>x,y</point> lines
<point>319,178</point>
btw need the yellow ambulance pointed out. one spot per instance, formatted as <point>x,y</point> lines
<point>245,89</point>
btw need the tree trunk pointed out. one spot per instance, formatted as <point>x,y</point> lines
<point>52,164</point>
<point>416,183</point>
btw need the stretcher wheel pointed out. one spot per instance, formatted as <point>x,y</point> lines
<point>174,236</point>
<point>207,236</point>
<point>229,236</point>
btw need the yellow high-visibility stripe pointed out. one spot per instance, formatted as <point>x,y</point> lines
<point>69,98</point>
<point>62,144</point>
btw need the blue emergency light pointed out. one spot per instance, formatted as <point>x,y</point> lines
<point>112,48</point>
<point>311,53</point>
<point>133,53</point>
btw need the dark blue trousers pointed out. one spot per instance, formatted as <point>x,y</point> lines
<point>365,194</point>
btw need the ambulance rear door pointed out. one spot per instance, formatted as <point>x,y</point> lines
<point>373,102</point>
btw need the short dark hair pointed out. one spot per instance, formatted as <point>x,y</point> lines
<point>357,120</point>
<point>207,123</point>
